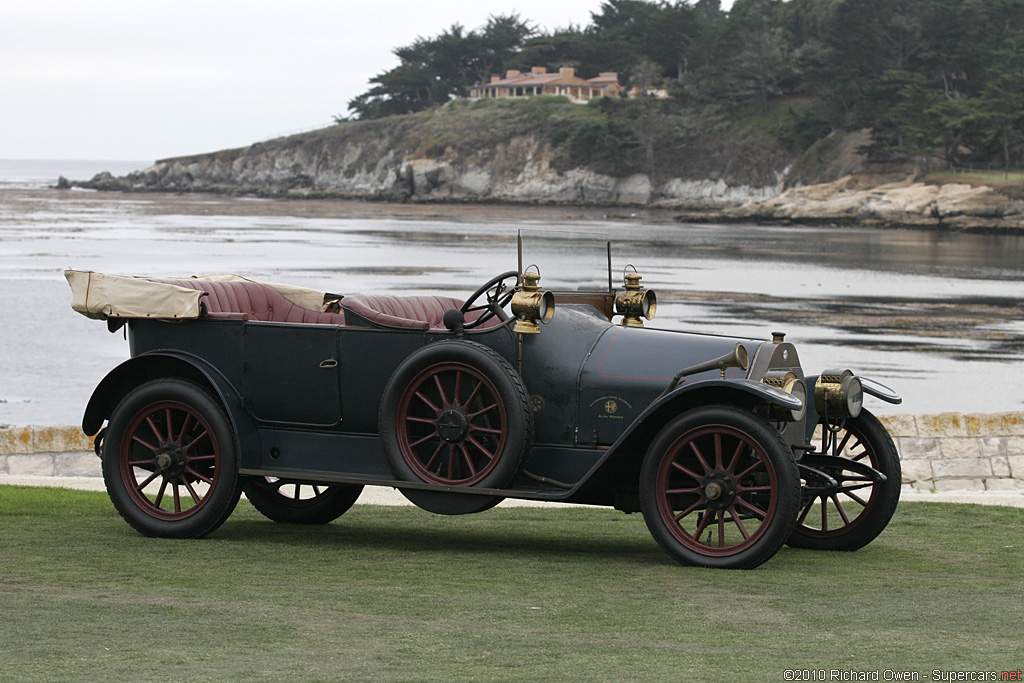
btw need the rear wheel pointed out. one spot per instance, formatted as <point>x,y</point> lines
<point>170,463</point>
<point>857,509</point>
<point>296,502</point>
<point>719,488</point>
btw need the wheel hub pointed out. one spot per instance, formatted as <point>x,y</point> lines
<point>171,460</point>
<point>452,425</point>
<point>718,490</point>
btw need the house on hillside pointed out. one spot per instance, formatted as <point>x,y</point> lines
<point>540,82</point>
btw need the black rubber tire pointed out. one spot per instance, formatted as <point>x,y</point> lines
<point>174,434</point>
<point>872,444</point>
<point>328,502</point>
<point>455,413</point>
<point>719,469</point>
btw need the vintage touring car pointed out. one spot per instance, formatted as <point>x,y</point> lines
<point>301,398</point>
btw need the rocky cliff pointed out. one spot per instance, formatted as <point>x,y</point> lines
<point>519,169</point>
<point>539,150</point>
<point>498,152</point>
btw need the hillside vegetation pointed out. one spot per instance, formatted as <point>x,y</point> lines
<point>939,82</point>
<point>615,137</point>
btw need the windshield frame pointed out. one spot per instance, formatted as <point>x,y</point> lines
<point>599,293</point>
<point>595,249</point>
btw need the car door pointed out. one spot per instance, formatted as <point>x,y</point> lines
<point>291,373</point>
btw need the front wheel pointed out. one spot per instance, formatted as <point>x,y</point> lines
<point>853,512</point>
<point>170,463</point>
<point>295,502</point>
<point>719,488</point>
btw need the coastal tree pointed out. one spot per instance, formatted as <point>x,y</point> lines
<point>761,62</point>
<point>928,77</point>
<point>569,46</point>
<point>1003,101</point>
<point>632,31</point>
<point>434,70</point>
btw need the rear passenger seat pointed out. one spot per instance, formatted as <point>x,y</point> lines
<point>255,301</point>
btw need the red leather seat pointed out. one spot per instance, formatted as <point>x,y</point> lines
<point>256,301</point>
<point>415,312</point>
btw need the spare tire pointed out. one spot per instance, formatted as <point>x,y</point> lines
<point>455,413</point>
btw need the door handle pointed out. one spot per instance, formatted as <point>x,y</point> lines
<point>329,364</point>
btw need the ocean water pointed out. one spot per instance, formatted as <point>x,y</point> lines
<point>937,316</point>
<point>39,173</point>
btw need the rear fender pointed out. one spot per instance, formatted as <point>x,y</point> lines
<point>136,371</point>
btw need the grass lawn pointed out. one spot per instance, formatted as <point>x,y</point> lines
<point>519,594</point>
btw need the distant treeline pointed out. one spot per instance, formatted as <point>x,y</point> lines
<point>942,78</point>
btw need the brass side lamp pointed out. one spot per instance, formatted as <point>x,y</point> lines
<point>530,305</point>
<point>635,302</point>
<point>788,381</point>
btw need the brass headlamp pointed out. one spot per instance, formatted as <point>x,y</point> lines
<point>531,306</point>
<point>635,302</point>
<point>791,384</point>
<point>838,393</point>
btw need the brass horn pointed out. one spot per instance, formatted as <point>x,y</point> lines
<point>737,358</point>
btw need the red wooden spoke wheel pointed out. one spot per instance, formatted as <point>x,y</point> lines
<point>719,488</point>
<point>169,460</point>
<point>851,514</point>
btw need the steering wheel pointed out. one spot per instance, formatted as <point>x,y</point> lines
<point>499,294</point>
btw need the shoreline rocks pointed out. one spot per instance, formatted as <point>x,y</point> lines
<point>906,203</point>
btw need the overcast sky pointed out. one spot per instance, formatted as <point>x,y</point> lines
<point>148,79</point>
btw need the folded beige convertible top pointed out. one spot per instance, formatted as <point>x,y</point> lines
<point>96,295</point>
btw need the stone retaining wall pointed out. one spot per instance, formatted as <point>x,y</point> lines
<point>47,452</point>
<point>956,452</point>
<point>945,452</point>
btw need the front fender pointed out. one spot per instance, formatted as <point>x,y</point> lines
<point>631,445</point>
<point>879,390</point>
<point>745,392</point>
<point>136,371</point>
<point>759,391</point>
